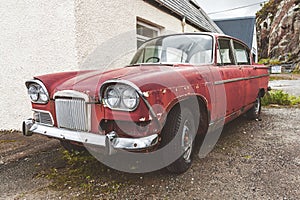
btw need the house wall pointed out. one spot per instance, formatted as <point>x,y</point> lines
<point>37,37</point>
<point>106,30</point>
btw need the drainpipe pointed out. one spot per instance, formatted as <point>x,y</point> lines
<point>183,23</point>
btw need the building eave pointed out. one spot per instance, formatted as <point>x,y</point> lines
<point>184,9</point>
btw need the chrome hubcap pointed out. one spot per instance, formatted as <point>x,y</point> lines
<point>187,141</point>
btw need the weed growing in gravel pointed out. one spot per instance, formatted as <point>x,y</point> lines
<point>7,141</point>
<point>82,174</point>
<point>279,97</point>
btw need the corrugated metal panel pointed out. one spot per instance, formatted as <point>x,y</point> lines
<point>195,16</point>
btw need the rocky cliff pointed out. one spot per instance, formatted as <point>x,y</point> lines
<point>278,25</point>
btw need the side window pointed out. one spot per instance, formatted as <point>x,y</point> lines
<point>224,54</point>
<point>242,54</point>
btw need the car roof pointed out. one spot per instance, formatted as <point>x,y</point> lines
<point>215,35</point>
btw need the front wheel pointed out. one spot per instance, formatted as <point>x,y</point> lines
<point>181,122</point>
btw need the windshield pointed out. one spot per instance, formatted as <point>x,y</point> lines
<point>193,49</point>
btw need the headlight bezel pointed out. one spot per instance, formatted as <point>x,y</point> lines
<point>120,87</point>
<point>41,92</point>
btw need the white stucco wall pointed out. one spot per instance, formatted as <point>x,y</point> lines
<point>36,37</point>
<point>107,29</point>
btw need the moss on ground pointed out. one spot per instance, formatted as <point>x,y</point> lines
<point>83,174</point>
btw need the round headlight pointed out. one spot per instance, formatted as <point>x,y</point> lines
<point>37,92</point>
<point>112,97</point>
<point>33,93</point>
<point>43,97</point>
<point>130,98</point>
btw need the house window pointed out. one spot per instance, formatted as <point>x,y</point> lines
<point>145,32</point>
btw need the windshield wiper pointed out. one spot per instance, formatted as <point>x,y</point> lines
<point>149,64</point>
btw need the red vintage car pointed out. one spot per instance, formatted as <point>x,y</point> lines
<point>175,89</point>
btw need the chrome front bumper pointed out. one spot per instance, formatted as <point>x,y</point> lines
<point>110,141</point>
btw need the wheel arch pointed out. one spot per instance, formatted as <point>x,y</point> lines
<point>202,104</point>
<point>261,92</point>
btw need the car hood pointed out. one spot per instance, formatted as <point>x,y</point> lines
<point>145,77</point>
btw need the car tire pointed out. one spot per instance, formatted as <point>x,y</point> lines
<point>180,121</point>
<point>255,111</point>
<point>67,145</point>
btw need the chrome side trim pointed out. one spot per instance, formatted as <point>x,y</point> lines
<point>229,81</point>
<point>260,76</point>
<point>239,79</point>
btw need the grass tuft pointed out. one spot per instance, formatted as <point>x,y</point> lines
<point>281,98</point>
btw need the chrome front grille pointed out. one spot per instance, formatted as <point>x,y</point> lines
<point>73,113</point>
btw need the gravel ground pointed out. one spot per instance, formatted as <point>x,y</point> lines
<point>252,160</point>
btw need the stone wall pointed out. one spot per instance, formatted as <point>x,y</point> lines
<point>279,30</point>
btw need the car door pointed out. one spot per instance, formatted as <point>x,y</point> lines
<point>243,58</point>
<point>231,78</point>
